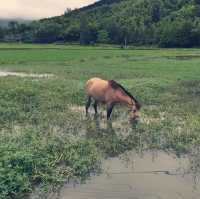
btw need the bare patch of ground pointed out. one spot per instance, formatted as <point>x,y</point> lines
<point>77,109</point>
<point>146,119</point>
<point>21,74</point>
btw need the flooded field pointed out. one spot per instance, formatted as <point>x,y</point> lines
<point>46,139</point>
<point>149,175</point>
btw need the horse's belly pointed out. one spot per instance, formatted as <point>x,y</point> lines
<point>98,94</point>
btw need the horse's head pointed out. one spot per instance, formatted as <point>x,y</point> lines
<point>135,111</point>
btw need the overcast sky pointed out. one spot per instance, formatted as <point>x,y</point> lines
<point>35,9</point>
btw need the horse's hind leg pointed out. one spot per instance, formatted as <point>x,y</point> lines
<point>109,110</point>
<point>95,107</point>
<point>89,99</point>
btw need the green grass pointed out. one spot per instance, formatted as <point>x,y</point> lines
<point>45,140</point>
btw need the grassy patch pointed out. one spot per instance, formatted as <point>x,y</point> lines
<point>29,159</point>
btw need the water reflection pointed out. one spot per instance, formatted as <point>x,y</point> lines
<point>194,159</point>
<point>95,127</point>
<point>149,175</point>
<point>115,137</point>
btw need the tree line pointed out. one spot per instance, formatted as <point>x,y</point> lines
<point>165,23</point>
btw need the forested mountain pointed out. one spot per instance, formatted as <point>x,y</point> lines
<point>167,23</point>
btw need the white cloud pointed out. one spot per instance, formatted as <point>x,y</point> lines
<point>35,9</point>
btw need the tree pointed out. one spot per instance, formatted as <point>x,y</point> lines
<point>196,33</point>
<point>115,31</point>
<point>84,30</point>
<point>156,11</point>
<point>67,11</point>
<point>177,33</point>
<point>47,32</point>
<point>88,31</point>
<point>72,32</point>
<point>13,26</point>
<point>2,33</point>
<point>103,36</point>
<point>125,35</point>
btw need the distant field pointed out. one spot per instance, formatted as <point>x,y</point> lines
<point>45,137</point>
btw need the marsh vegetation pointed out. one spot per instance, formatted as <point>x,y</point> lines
<point>46,139</point>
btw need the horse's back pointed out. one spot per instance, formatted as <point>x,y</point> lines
<point>96,88</point>
<point>96,83</point>
<point>92,80</point>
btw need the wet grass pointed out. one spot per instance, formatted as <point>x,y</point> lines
<point>45,137</point>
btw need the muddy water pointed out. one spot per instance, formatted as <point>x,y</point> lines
<point>151,175</point>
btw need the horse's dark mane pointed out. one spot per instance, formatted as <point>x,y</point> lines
<point>116,85</point>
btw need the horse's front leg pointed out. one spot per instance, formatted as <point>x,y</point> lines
<point>95,107</point>
<point>109,110</point>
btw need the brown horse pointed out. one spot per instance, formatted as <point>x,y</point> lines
<point>110,93</point>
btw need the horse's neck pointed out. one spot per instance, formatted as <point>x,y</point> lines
<point>125,99</point>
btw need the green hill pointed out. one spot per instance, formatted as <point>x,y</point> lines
<point>167,23</point>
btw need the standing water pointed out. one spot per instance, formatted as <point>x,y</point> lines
<point>150,175</point>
